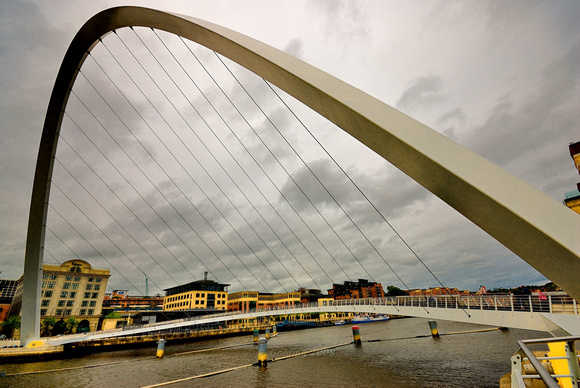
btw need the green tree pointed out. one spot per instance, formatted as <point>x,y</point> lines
<point>71,325</point>
<point>113,315</point>
<point>46,326</point>
<point>395,291</point>
<point>9,325</point>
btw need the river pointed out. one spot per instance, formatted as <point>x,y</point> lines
<point>459,360</point>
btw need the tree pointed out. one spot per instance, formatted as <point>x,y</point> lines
<point>113,315</point>
<point>46,326</point>
<point>10,324</point>
<point>71,325</point>
<point>395,291</point>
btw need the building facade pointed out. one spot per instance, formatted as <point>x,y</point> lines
<point>250,300</point>
<point>200,294</point>
<point>119,299</point>
<point>355,290</point>
<point>572,199</point>
<point>72,289</point>
<point>7,292</point>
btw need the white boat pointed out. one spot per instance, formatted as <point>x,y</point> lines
<point>339,323</point>
<point>367,319</point>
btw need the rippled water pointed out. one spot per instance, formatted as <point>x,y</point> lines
<point>466,360</point>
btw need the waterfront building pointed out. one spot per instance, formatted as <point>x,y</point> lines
<point>572,199</point>
<point>7,291</point>
<point>71,289</point>
<point>438,291</point>
<point>355,290</point>
<point>119,299</point>
<point>249,300</point>
<point>200,294</point>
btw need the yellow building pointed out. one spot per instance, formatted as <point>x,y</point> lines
<point>72,289</point>
<point>200,294</point>
<point>249,300</point>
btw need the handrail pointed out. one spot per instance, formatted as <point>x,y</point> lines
<point>547,378</point>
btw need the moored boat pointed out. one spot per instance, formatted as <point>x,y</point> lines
<point>367,319</point>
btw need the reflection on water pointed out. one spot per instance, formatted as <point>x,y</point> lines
<point>466,360</point>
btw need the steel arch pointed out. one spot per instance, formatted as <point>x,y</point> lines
<point>540,230</point>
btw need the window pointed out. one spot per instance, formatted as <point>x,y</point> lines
<point>197,302</point>
<point>72,294</point>
<point>87,295</point>
<point>61,303</point>
<point>91,312</point>
<point>47,294</point>
<point>43,284</point>
<point>83,312</point>
<point>98,280</point>
<point>93,303</point>
<point>45,302</point>
<point>75,286</point>
<point>51,284</point>
<point>53,277</point>
<point>70,303</point>
<point>84,303</point>
<point>97,287</point>
<point>95,295</point>
<point>58,312</point>
<point>197,295</point>
<point>64,294</point>
<point>89,286</point>
<point>68,278</point>
<point>66,286</point>
<point>91,279</point>
<point>77,278</point>
<point>45,277</point>
<point>67,312</point>
<point>43,312</point>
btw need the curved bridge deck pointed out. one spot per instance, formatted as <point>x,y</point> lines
<point>558,315</point>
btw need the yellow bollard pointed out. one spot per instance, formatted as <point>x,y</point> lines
<point>267,333</point>
<point>274,330</point>
<point>433,327</point>
<point>356,335</point>
<point>160,348</point>
<point>262,352</point>
<point>256,334</point>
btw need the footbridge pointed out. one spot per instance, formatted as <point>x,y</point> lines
<point>540,230</point>
<point>557,314</point>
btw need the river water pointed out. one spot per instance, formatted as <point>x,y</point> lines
<point>397,360</point>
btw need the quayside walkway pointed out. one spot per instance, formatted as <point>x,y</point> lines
<point>557,314</point>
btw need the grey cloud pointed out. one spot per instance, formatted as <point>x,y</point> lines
<point>423,93</point>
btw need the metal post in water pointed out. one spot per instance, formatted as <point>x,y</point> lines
<point>262,352</point>
<point>433,327</point>
<point>256,334</point>
<point>267,333</point>
<point>274,330</point>
<point>356,335</point>
<point>160,348</point>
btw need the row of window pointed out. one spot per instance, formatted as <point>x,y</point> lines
<point>59,312</point>
<point>69,278</point>
<point>197,303</point>
<point>71,294</point>
<point>69,303</point>
<point>189,296</point>
<point>74,286</point>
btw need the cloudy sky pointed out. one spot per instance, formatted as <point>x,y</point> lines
<point>499,77</point>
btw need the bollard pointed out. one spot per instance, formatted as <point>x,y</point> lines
<point>262,352</point>
<point>267,333</point>
<point>160,348</point>
<point>356,335</point>
<point>274,330</point>
<point>433,327</point>
<point>256,334</point>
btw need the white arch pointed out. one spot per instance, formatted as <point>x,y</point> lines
<point>535,227</point>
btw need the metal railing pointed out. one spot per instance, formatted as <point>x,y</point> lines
<point>544,370</point>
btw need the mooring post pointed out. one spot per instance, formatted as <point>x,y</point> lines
<point>256,334</point>
<point>160,348</point>
<point>262,352</point>
<point>267,333</point>
<point>356,335</point>
<point>433,327</point>
<point>274,330</point>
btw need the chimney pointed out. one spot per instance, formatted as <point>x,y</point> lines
<point>205,275</point>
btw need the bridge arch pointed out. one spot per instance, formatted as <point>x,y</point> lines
<point>535,227</point>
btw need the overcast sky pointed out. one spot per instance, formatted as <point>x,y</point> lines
<point>499,77</point>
